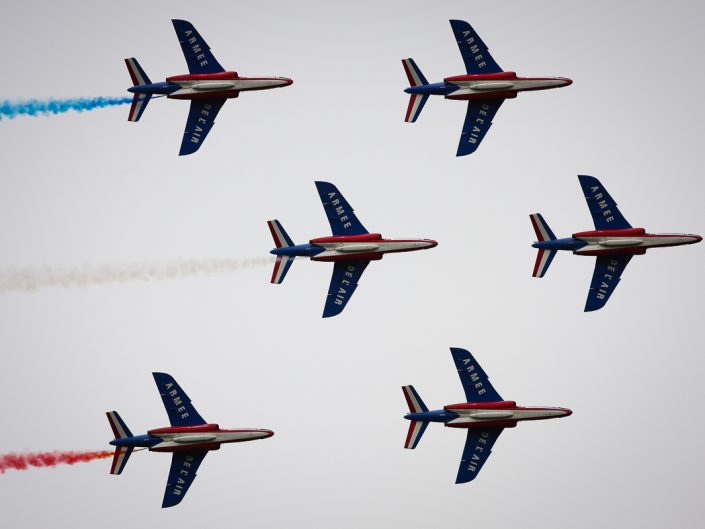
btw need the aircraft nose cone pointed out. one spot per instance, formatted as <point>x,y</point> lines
<point>567,412</point>
<point>433,244</point>
<point>269,433</point>
<point>288,81</point>
<point>697,238</point>
<point>567,81</point>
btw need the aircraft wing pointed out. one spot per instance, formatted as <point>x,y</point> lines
<point>176,402</point>
<point>201,117</point>
<point>196,51</point>
<point>608,271</point>
<point>478,120</point>
<point>478,447</point>
<point>184,466</point>
<point>475,54</point>
<point>346,275</point>
<point>340,214</point>
<point>603,207</point>
<point>475,381</point>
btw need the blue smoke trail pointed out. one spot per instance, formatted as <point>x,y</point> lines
<point>35,107</point>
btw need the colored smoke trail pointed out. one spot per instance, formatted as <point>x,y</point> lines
<point>28,280</point>
<point>35,107</point>
<point>48,459</point>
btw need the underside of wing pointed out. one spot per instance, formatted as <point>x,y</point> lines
<point>603,207</point>
<point>475,54</point>
<point>184,466</point>
<point>478,447</point>
<point>478,120</point>
<point>341,216</point>
<point>608,272</point>
<point>196,51</point>
<point>344,281</point>
<point>176,402</point>
<point>475,381</point>
<point>201,117</point>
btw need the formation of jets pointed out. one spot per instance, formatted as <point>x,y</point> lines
<point>351,247</point>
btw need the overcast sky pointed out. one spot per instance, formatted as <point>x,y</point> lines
<point>95,189</point>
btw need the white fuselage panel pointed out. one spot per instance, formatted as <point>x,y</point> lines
<point>333,249</point>
<point>171,440</point>
<point>201,87</point>
<point>483,87</point>
<point>476,416</point>
<point>611,243</point>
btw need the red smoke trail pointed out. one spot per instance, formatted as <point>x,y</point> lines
<point>48,459</point>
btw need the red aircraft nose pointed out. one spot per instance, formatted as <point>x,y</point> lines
<point>568,82</point>
<point>433,244</point>
<point>698,238</point>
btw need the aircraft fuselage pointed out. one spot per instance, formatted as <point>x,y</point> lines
<point>211,85</point>
<point>370,246</point>
<point>502,414</point>
<point>633,241</point>
<point>200,437</point>
<point>503,85</point>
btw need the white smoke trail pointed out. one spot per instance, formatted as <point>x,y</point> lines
<point>29,280</point>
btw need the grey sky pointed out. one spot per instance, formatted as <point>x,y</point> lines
<point>93,188</point>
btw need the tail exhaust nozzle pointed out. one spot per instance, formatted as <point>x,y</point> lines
<point>120,431</point>
<point>544,257</point>
<point>281,240</point>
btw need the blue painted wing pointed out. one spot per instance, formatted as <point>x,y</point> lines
<point>346,275</point>
<point>475,381</point>
<point>603,207</point>
<point>608,271</point>
<point>340,214</point>
<point>184,466</point>
<point>201,117</point>
<point>176,402</point>
<point>475,54</point>
<point>478,120</point>
<point>196,51</point>
<point>478,447</point>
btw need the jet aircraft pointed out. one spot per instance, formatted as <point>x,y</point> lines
<point>614,242</point>
<point>351,248</point>
<point>207,86</point>
<point>189,438</point>
<point>484,87</point>
<point>485,415</point>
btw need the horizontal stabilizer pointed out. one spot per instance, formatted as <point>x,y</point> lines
<point>416,430</point>
<point>139,104</point>
<point>416,104</point>
<point>281,238</point>
<point>543,261</point>
<point>413,400</point>
<point>543,232</point>
<point>122,454</point>
<point>281,267</point>
<point>413,73</point>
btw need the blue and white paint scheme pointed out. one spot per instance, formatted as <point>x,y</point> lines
<point>207,86</point>
<point>351,248</point>
<point>189,438</point>
<point>613,241</point>
<point>484,415</point>
<point>485,86</point>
